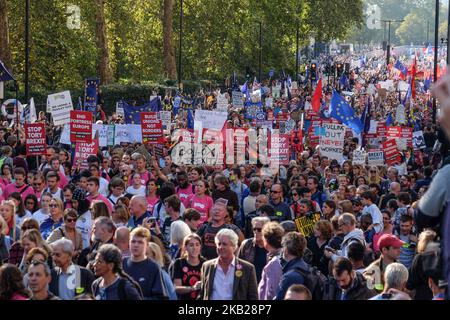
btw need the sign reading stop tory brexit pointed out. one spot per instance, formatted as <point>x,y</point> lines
<point>151,127</point>
<point>81,126</point>
<point>83,150</point>
<point>35,139</point>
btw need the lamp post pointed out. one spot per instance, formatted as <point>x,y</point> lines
<point>27,48</point>
<point>436,47</point>
<point>388,47</point>
<point>180,45</point>
<point>260,51</point>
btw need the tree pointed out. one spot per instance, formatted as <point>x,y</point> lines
<point>168,47</point>
<point>5,51</point>
<point>104,67</point>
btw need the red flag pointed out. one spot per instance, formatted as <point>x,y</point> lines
<point>317,97</point>
<point>413,78</point>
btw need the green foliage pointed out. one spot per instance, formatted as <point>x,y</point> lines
<point>219,37</point>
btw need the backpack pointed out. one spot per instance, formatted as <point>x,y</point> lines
<point>121,288</point>
<point>315,281</point>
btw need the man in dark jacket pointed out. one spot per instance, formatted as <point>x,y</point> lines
<point>68,279</point>
<point>347,284</point>
<point>293,248</point>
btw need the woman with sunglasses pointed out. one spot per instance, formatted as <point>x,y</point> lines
<point>31,203</point>
<point>55,220</point>
<point>295,205</point>
<point>68,230</point>
<point>252,250</point>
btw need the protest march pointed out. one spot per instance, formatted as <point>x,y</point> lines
<point>327,185</point>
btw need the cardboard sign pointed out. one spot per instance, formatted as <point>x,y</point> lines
<point>332,142</point>
<point>81,126</point>
<point>211,119</point>
<point>359,157</point>
<point>128,133</point>
<point>119,109</point>
<point>166,118</point>
<point>391,152</point>
<point>276,91</point>
<point>35,139</point>
<point>151,127</point>
<point>222,102</point>
<point>238,99</point>
<point>279,149</point>
<point>60,105</point>
<point>83,150</point>
<point>400,114</point>
<point>375,158</point>
<point>418,140</point>
<point>305,225</point>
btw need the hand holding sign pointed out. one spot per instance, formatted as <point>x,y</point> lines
<point>441,90</point>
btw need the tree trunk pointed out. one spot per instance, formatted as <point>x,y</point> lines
<point>5,50</point>
<point>170,66</point>
<point>103,64</point>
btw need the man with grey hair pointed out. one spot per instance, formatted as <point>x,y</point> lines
<point>228,277</point>
<point>395,278</point>
<point>394,190</point>
<point>138,209</point>
<point>68,279</point>
<point>38,281</point>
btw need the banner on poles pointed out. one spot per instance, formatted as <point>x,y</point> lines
<point>332,141</point>
<point>81,126</point>
<point>35,139</point>
<point>151,127</point>
<point>60,105</point>
<point>391,153</point>
<point>375,158</point>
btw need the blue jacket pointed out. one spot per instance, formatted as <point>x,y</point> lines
<point>290,276</point>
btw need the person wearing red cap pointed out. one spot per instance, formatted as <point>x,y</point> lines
<point>390,251</point>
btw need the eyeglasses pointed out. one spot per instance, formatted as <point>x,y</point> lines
<point>274,191</point>
<point>257,229</point>
<point>53,206</point>
<point>30,203</point>
<point>27,227</point>
<point>69,220</point>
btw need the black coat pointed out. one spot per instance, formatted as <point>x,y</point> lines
<point>358,291</point>
<point>86,279</point>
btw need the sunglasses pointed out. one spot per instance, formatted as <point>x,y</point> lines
<point>27,227</point>
<point>273,191</point>
<point>53,206</point>
<point>295,194</point>
<point>69,220</point>
<point>257,229</point>
<point>30,202</point>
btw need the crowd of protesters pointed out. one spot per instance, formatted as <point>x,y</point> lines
<point>138,226</point>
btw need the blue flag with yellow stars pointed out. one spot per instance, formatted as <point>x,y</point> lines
<point>341,111</point>
<point>133,114</point>
<point>91,94</point>
<point>4,74</point>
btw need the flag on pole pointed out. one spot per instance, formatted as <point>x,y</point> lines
<point>341,110</point>
<point>317,97</point>
<point>5,75</point>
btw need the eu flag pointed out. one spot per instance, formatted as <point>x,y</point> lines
<point>341,111</point>
<point>133,114</point>
<point>4,74</point>
<point>91,94</point>
<point>190,119</point>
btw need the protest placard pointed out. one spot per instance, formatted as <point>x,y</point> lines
<point>211,119</point>
<point>276,90</point>
<point>418,140</point>
<point>151,127</point>
<point>375,158</point>
<point>35,139</point>
<point>60,105</point>
<point>391,153</point>
<point>305,225</point>
<point>400,117</point>
<point>82,151</point>
<point>222,102</point>
<point>166,118</point>
<point>279,148</point>
<point>237,99</point>
<point>359,157</point>
<point>119,109</point>
<point>128,133</point>
<point>81,126</point>
<point>332,141</point>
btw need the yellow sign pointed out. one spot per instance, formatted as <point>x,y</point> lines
<point>305,225</point>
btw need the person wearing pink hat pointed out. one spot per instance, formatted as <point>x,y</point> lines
<point>390,251</point>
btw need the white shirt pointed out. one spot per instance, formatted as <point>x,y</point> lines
<point>138,192</point>
<point>223,283</point>
<point>40,216</point>
<point>249,204</point>
<point>113,199</point>
<point>377,217</point>
<point>19,220</point>
<point>103,187</point>
<point>84,225</point>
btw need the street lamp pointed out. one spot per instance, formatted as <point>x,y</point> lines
<point>181,44</point>
<point>388,47</point>
<point>27,48</point>
<point>436,46</point>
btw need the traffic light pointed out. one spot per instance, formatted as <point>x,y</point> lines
<point>339,69</point>
<point>313,71</point>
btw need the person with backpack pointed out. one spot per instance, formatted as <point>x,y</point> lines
<point>346,284</point>
<point>141,268</point>
<point>113,283</point>
<point>294,267</point>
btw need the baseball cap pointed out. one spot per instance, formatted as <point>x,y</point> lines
<point>389,240</point>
